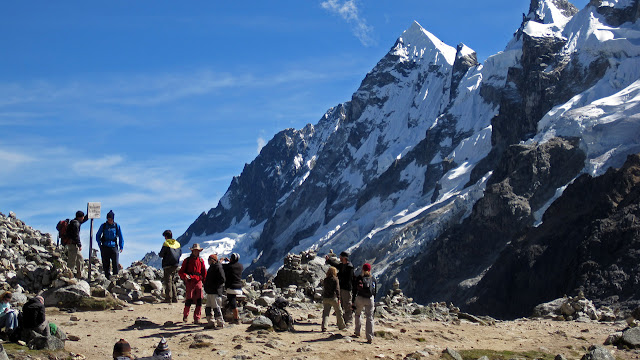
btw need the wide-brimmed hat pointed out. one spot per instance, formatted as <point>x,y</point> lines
<point>196,246</point>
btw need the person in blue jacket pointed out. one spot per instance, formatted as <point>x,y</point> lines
<point>107,237</point>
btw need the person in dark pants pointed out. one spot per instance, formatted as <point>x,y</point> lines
<point>170,254</point>
<point>75,262</point>
<point>193,273</point>
<point>111,243</point>
<point>214,287</point>
<point>345,275</point>
<point>233,274</point>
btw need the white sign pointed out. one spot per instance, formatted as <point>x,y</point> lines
<point>93,210</point>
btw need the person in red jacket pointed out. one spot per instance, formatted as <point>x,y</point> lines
<point>193,274</point>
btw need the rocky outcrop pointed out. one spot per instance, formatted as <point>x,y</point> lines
<point>588,241</point>
<point>526,177</point>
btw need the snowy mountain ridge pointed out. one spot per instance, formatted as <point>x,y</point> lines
<point>429,142</point>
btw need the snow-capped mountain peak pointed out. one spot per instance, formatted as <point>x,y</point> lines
<point>437,163</point>
<point>416,42</point>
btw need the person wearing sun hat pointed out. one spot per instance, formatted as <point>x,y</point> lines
<point>193,274</point>
<point>364,292</point>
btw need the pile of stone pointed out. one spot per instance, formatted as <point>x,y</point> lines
<point>576,308</point>
<point>395,305</point>
<point>301,274</point>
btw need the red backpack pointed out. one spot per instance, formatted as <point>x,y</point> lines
<point>62,231</point>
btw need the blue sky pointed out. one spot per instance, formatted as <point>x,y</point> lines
<point>151,107</point>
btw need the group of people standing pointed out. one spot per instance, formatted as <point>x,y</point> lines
<point>224,275</point>
<point>109,239</point>
<point>348,294</point>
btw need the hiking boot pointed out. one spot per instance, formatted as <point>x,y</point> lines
<point>197,321</point>
<point>210,326</point>
<point>184,319</point>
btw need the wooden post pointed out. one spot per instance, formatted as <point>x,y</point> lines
<point>90,249</point>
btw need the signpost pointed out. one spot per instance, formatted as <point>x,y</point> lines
<point>93,212</point>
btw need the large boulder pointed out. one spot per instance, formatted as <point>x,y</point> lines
<point>67,296</point>
<point>597,352</point>
<point>631,338</point>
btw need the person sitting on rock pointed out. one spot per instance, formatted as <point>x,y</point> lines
<point>34,318</point>
<point>331,298</point>
<point>193,273</point>
<point>214,287</point>
<point>8,316</point>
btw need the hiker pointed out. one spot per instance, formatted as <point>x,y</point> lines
<point>8,316</point>
<point>193,273</point>
<point>345,275</point>
<point>331,299</point>
<point>364,292</point>
<point>170,254</point>
<point>122,350</point>
<point>75,262</point>
<point>214,286</point>
<point>109,238</point>
<point>34,318</point>
<point>233,274</point>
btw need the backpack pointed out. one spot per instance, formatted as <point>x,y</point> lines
<point>279,316</point>
<point>109,233</point>
<point>366,286</point>
<point>62,231</point>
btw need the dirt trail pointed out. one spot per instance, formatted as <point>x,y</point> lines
<point>98,331</point>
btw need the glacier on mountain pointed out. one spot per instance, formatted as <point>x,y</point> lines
<point>405,159</point>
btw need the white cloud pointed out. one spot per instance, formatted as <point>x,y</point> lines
<point>348,10</point>
<point>261,143</point>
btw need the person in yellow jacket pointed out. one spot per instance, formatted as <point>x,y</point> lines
<point>170,254</point>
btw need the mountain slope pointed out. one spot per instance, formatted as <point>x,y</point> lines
<point>438,162</point>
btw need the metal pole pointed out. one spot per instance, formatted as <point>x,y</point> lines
<point>90,249</point>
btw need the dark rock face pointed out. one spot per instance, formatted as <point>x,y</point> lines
<point>617,16</point>
<point>589,241</point>
<point>523,178</point>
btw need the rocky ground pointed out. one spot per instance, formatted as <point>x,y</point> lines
<point>97,313</point>
<point>396,338</point>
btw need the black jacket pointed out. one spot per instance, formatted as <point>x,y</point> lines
<point>345,273</point>
<point>233,274</point>
<point>170,253</point>
<point>214,283</point>
<point>32,314</point>
<point>73,231</point>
